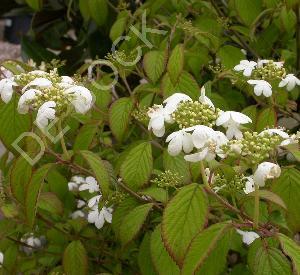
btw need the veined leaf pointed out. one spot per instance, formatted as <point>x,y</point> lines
<point>50,202</point>
<point>154,64</point>
<point>184,216</point>
<point>119,116</point>
<point>133,222</point>
<point>99,169</point>
<point>98,11</point>
<point>137,166</point>
<point>144,257</point>
<point>208,246</point>
<point>75,259</point>
<point>270,196</point>
<point>267,118</point>
<point>176,62</point>
<point>162,261</point>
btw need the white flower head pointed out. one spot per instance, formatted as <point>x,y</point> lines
<point>99,217</point>
<point>208,143</point>
<point>66,82</point>
<point>265,171</point>
<point>1,258</point>
<point>34,243</point>
<point>45,113</point>
<point>75,182</point>
<point>94,201</point>
<point>205,100</point>
<point>178,141</point>
<point>6,88</point>
<point>158,116</point>
<point>290,81</point>
<point>23,106</point>
<point>80,203</point>
<point>278,132</point>
<point>39,82</point>
<point>262,62</point>
<point>246,66</point>
<point>77,214</point>
<point>90,184</point>
<point>232,121</point>
<point>83,99</point>
<point>249,185</point>
<point>248,236</point>
<point>172,102</point>
<point>261,87</point>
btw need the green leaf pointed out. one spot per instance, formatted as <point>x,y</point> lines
<point>98,11</point>
<point>270,196</point>
<point>251,111</point>
<point>176,63</point>
<point>35,4</point>
<point>133,222</point>
<point>248,10</point>
<point>287,186</point>
<point>75,259</point>
<point>291,249</point>
<point>19,177</point>
<point>184,216</point>
<point>293,148</point>
<point>154,64</point>
<point>267,118</point>
<point>33,192</point>
<point>177,165</point>
<point>230,56</point>
<point>51,203</point>
<point>145,265</point>
<point>162,261</point>
<point>119,26</point>
<point>84,9</point>
<point>137,166</point>
<point>208,250</point>
<point>119,117</point>
<point>264,259</point>
<point>12,123</point>
<point>99,169</point>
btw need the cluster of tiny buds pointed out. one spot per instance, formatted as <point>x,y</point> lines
<point>118,56</point>
<point>191,113</point>
<point>234,185</point>
<point>24,78</point>
<point>257,147</point>
<point>217,68</point>
<point>141,114</point>
<point>116,198</point>
<point>168,179</point>
<point>269,71</point>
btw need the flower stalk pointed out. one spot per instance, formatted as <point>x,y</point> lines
<point>256,207</point>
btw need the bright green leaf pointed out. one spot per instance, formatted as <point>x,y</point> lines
<point>176,62</point>
<point>154,64</point>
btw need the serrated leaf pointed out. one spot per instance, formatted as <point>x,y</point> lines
<point>19,177</point>
<point>162,261</point>
<point>230,56</point>
<point>291,249</point>
<point>137,166</point>
<point>270,196</point>
<point>208,246</point>
<point>248,10</point>
<point>267,118</point>
<point>75,259</point>
<point>119,26</point>
<point>265,259</point>
<point>133,222</point>
<point>98,11</point>
<point>99,169</point>
<point>119,116</point>
<point>287,186</point>
<point>176,62</point>
<point>145,264</point>
<point>154,64</point>
<point>184,216</point>
<point>177,165</point>
<point>251,111</point>
<point>50,202</point>
<point>33,192</point>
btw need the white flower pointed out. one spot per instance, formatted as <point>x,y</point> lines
<point>80,203</point>
<point>232,120</point>
<point>40,82</point>
<point>290,81</point>
<point>33,243</point>
<point>272,132</point>
<point>158,116</point>
<point>45,113</point>
<point>90,184</point>
<point>66,82</point>
<point>38,73</point>
<point>261,62</point>
<point>75,182</point>
<point>1,258</point>
<point>249,185</point>
<point>208,143</point>
<point>178,141</point>
<point>248,236</point>
<point>261,87</point>
<point>205,100</point>
<point>6,88</point>
<point>99,217</point>
<point>77,214</point>
<point>23,106</point>
<point>94,201</point>
<point>246,66</point>
<point>172,102</point>
<point>83,99</point>
<point>264,171</point>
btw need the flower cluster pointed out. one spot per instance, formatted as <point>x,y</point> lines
<point>32,243</point>
<point>49,94</point>
<point>266,74</point>
<point>90,207</point>
<point>168,179</point>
